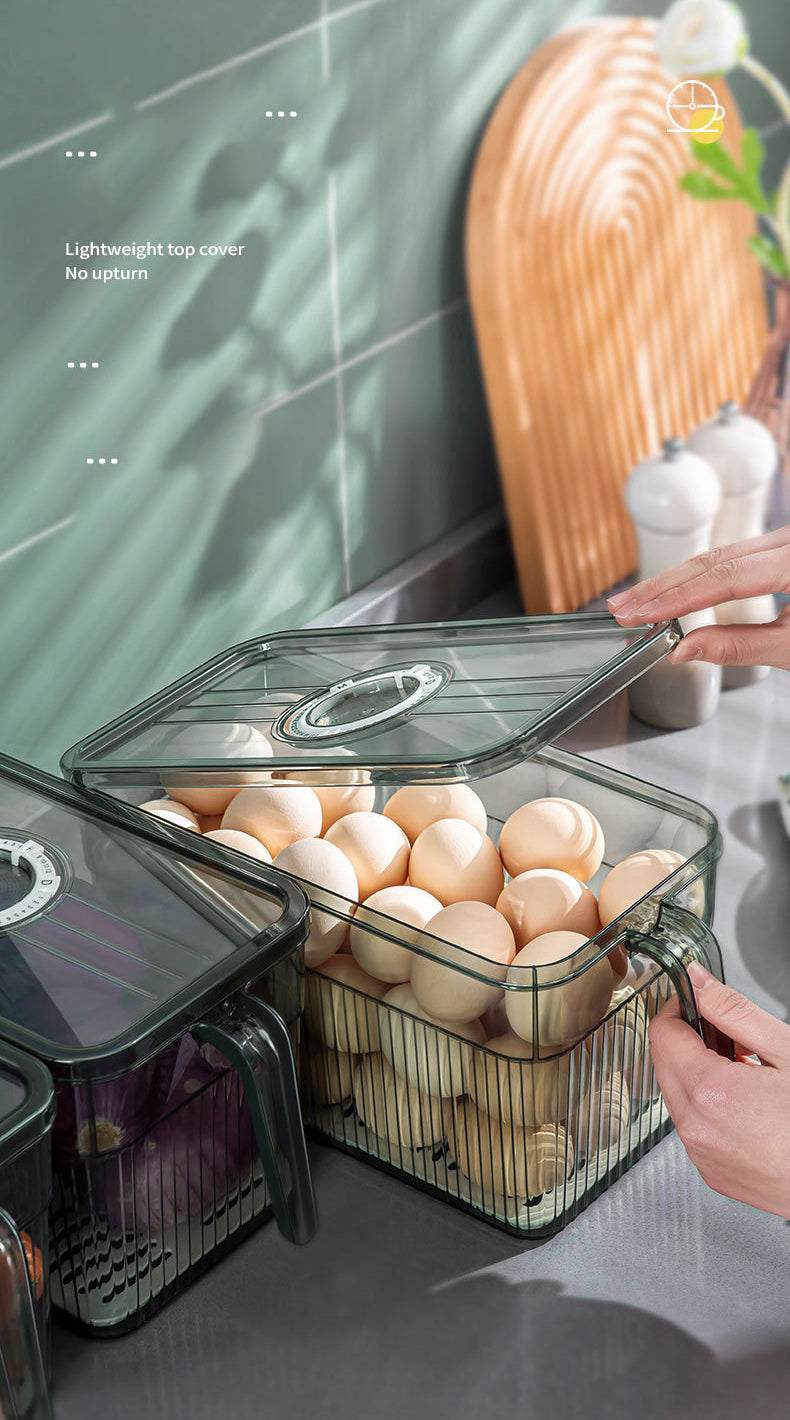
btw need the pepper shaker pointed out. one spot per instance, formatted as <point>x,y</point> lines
<point>674,498</point>
<point>744,455</point>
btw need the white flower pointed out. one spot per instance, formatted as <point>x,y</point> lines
<point>701,38</point>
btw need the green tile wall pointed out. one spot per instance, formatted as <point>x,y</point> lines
<point>288,424</point>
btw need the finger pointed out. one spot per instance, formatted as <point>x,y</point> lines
<point>683,571</point>
<point>757,1031</point>
<point>678,1055</point>
<point>728,579</point>
<point>766,644</point>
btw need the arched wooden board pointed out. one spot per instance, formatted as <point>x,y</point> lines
<point>611,309</point>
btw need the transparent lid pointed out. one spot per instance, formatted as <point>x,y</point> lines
<point>115,935</point>
<point>405,704</point>
<point>27,1103</point>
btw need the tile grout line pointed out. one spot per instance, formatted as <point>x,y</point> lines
<point>58,138</point>
<point>353,360</point>
<point>320,24</point>
<point>337,350</point>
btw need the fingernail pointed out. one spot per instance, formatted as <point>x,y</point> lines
<point>621,599</point>
<point>700,978</point>
<point>645,610</point>
<point>682,652</point>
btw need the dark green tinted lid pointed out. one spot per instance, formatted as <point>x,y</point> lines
<point>27,1102</point>
<point>404,704</point>
<point>115,936</point>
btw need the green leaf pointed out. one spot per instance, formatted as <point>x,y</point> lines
<point>715,157</point>
<point>769,254</point>
<point>752,153</point>
<point>702,186</point>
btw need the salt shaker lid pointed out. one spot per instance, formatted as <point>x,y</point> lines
<point>741,450</point>
<point>674,491</point>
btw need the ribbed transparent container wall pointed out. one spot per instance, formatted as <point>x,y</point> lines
<point>524,1143</point>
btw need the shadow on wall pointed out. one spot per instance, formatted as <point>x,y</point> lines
<point>766,900</point>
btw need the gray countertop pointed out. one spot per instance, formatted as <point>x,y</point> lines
<point>662,1299</point>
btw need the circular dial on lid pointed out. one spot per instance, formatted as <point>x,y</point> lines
<point>32,877</point>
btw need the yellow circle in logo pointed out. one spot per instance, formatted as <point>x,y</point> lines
<point>707,124</point>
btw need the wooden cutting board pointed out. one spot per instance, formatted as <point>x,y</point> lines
<point>611,309</point>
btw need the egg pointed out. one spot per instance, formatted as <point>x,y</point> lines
<point>377,849</point>
<point>171,812</point>
<point>547,900</point>
<point>456,863</point>
<point>633,879</point>
<point>328,1076</point>
<point>504,1081</point>
<point>393,1110</point>
<point>210,791</point>
<point>619,1045</point>
<point>431,1056</point>
<point>341,1003</point>
<point>602,1116</point>
<point>338,796</point>
<point>242,842</point>
<point>553,1015</point>
<point>494,1018</point>
<point>209,823</point>
<point>504,1159</point>
<point>417,805</point>
<point>277,814</point>
<point>410,909</point>
<point>322,866</point>
<point>472,937</point>
<point>552,833</point>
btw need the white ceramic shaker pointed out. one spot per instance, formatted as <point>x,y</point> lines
<point>674,498</point>
<point>744,456</point>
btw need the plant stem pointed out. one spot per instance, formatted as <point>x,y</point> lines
<point>781,98</point>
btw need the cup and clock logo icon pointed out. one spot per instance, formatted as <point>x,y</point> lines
<point>693,109</point>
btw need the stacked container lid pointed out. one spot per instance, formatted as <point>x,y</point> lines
<point>27,1109</point>
<point>470,702</point>
<point>159,985</point>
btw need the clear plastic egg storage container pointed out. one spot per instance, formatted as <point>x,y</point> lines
<point>27,1109</point>
<point>512,1086</point>
<point>163,988</point>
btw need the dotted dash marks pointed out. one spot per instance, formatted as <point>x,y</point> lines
<point>81,154</point>
<point>82,364</point>
<point>281,113</point>
<point>101,460</point>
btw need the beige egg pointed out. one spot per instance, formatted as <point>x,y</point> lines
<point>430,1055</point>
<point>209,791</point>
<point>504,1081</point>
<point>553,1015</point>
<point>277,814</point>
<point>547,900</point>
<point>341,1006</point>
<point>209,823</point>
<point>171,812</point>
<point>337,795</point>
<point>552,833</point>
<point>603,1115</point>
<point>376,848</point>
<point>472,937</point>
<point>417,805</point>
<point>320,865</point>
<point>393,1110</point>
<point>619,1044</point>
<point>410,908</point>
<point>633,879</point>
<point>504,1159</point>
<point>327,1075</point>
<point>457,863</point>
<point>242,842</point>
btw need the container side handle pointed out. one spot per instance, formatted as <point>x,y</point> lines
<point>24,1393</point>
<point>255,1040</point>
<point>679,938</point>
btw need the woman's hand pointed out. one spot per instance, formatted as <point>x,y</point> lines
<point>732,1116</point>
<point>742,569</point>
